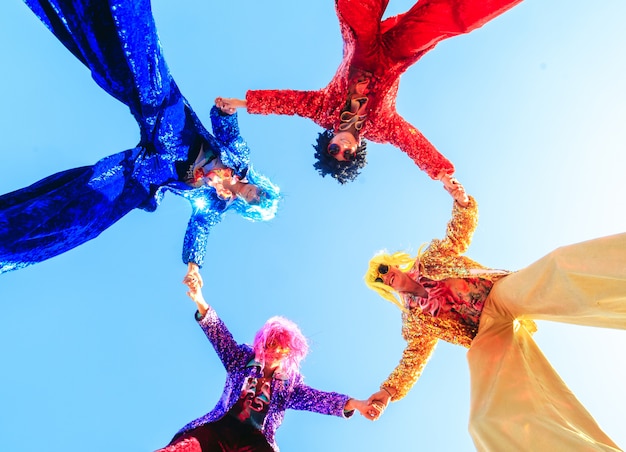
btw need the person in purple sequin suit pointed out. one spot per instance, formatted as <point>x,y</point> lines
<point>263,380</point>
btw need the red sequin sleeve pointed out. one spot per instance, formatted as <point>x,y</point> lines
<point>307,104</point>
<point>406,137</point>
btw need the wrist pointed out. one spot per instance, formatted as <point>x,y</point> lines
<point>389,391</point>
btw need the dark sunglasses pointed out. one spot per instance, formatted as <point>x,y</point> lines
<point>334,150</point>
<point>382,269</point>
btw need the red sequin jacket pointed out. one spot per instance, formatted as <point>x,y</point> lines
<point>383,49</point>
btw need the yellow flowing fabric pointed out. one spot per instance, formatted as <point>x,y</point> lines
<point>518,401</point>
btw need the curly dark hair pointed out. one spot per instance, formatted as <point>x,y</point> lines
<point>342,172</point>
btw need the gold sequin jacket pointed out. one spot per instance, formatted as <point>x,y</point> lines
<point>442,259</point>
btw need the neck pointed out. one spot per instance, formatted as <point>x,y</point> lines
<point>269,371</point>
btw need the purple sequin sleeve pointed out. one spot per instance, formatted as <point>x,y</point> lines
<point>230,353</point>
<point>305,398</point>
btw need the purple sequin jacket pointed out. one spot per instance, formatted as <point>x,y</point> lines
<point>290,393</point>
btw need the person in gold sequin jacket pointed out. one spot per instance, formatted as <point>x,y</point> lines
<point>522,403</point>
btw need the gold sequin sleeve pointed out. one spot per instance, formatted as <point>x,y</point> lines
<point>443,258</point>
<point>460,229</point>
<point>420,346</point>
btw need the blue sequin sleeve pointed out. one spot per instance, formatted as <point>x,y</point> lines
<point>203,217</point>
<point>234,151</point>
<point>225,127</point>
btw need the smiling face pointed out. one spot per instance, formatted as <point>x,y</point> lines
<point>398,280</point>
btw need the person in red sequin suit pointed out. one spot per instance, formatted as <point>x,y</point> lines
<point>360,100</point>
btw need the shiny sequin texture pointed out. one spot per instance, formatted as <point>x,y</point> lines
<point>118,42</point>
<point>442,259</point>
<point>291,393</point>
<point>396,43</point>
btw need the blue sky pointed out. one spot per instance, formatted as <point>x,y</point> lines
<point>99,347</point>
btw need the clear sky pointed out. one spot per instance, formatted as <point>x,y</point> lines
<point>98,346</point>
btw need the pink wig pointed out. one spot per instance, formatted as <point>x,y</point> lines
<point>286,334</point>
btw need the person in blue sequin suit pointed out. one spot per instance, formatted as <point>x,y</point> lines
<point>117,40</point>
<point>262,381</point>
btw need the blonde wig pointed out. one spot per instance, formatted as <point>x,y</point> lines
<point>403,261</point>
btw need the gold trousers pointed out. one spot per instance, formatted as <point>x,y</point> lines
<point>518,401</point>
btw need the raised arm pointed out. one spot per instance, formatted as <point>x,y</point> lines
<point>460,229</point>
<point>204,216</point>
<point>227,349</point>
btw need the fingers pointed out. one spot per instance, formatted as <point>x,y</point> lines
<point>193,281</point>
<point>225,105</point>
<point>375,409</point>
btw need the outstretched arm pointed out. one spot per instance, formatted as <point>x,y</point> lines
<point>461,227</point>
<point>304,397</point>
<point>308,104</point>
<point>420,346</point>
<point>411,141</point>
<point>229,352</point>
<point>204,216</point>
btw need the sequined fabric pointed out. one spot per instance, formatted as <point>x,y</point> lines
<point>118,42</point>
<point>442,259</point>
<point>286,394</point>
<point>386,49</point>
<point>186,445</point>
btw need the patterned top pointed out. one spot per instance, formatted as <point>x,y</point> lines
<point>455,317</point>
<point>286,392</point>
<point>254,402</point>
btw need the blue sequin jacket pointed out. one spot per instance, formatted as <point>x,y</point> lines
<point>207,208</point>
<point>289,393</point>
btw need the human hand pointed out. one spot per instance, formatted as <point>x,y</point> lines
<point>363,408</point>
<point>456,190</point>
<point>193,281</point>
<point>376,404</point>
<point>193,275</point>
<point>229,105</point>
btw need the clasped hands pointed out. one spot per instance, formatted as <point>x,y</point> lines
<point>454,187</point>
<point>373,407</point>
<point>229,105</point>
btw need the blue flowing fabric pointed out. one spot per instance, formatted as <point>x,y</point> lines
<point>118,42</point>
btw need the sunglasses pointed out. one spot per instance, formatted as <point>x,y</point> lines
<point>334,150</point>
<point>382,269</point>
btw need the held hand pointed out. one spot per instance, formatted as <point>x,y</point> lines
<point>362,407</point>
<point>229,105</point>
<point>456,190</point>
<point>193,280</point>
<point>376,404</point>
<point>193,275</point>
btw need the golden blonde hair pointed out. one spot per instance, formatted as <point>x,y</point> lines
<point>403,261</point>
